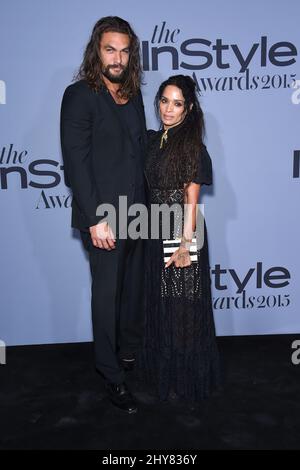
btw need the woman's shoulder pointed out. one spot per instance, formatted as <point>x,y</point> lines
<point>152,138</point>
<point>151,134</point>
<point>204,173</point>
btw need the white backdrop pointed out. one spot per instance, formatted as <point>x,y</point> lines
<point>245,59</point>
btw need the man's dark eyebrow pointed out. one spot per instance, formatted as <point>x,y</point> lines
<point>108,46</point>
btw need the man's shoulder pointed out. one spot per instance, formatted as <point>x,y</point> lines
<point>138,96</point>
<point>80,94</point>
<point>81,87</point>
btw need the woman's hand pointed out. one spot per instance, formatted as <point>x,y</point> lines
<point>181,258</point>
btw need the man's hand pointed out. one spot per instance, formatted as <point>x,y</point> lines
<point>181,258</point>
<point>102,236</point>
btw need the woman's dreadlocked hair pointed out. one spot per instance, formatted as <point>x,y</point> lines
<point>182,150</point>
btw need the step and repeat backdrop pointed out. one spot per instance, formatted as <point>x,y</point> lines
<point>244,57</point>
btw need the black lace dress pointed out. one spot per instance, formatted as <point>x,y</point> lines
<point>179,357</point>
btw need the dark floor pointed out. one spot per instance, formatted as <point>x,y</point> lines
<point>51,398</point>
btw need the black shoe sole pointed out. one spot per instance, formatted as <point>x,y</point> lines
<point>130,412</point>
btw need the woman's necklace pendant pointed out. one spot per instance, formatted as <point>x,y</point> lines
<point>164,138</point>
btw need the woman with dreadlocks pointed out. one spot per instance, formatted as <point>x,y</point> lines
<point>179,356</point>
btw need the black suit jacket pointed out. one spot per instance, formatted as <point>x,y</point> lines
<point>97,151</point>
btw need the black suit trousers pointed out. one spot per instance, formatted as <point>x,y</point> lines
<point>117,297</point>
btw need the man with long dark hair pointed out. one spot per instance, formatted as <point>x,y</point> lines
<point>103,137</point>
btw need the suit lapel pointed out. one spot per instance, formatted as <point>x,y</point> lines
<point>138,104</point>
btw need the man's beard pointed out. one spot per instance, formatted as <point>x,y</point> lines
<point>115,78</point>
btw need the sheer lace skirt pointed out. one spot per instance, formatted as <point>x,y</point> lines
<point>179,355</point>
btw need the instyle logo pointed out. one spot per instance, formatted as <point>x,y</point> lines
<point>222,55</point>
<point>2,92</point>
<point>198,53</point>
<point>43,173</point>
<point>296,164</point>
<point>258,279</point>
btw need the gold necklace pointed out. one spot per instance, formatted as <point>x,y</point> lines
<point>164,138</point>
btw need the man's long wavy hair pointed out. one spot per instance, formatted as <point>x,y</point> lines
<point>181,152</point>
<point>91,67</point>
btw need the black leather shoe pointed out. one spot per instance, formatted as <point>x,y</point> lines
<point>121,397</point>
<point>128,364</point>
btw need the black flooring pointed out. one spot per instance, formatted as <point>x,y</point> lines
<point>52,398</point>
